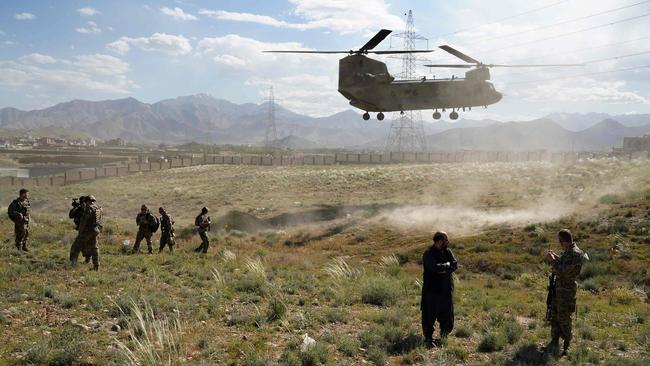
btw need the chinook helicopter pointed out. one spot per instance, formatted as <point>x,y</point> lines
<point>368,85</point>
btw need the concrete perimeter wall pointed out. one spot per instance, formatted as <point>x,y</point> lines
<point>86,174</point>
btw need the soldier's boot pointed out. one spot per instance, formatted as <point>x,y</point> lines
<point>73,262</point>
<point>199,249</point>
<point>24,248</point>
<point>171,249</point>
<point>95,267</point>
<point>86,260</point>
<point>565,347</point>
<point>554,346</point>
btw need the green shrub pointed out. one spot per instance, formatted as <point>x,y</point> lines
<point>463,331</point>
<point>393,339</point>
<point>377,356</point>
<point>348,346</point>
<point>252,284</point>
<point>379,290</point>
<point>610,199</point>
<point>622,296</point>
<point>276,310</point>
<point>512,331</point>
<point>318,354</point>
<point>491,342</point>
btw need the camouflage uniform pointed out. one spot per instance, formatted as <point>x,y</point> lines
<point>90,225</point>
<point>144,221</point>
<point>566,269</point>
<point>203,223</point>
<point>19,212</point>
<point>166,232</point>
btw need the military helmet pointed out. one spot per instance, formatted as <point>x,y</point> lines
<point>144,208</point>
<point>204,209</point>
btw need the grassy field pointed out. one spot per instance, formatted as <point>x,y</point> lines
<point>332,253</point>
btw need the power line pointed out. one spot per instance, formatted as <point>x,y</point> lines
<point>591,48</point>
<point>587,62</point>
<point>570,33</point>
<point>562,22</point>
<point>505,18</point>
<point>581,75</point>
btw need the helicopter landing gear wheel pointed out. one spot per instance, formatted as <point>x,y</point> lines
<point>366,116</point>
<point>437,115</point>
<point>380,116</point>
<point>453,115</point>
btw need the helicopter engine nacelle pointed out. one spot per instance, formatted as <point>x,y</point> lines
<point>478,74</point>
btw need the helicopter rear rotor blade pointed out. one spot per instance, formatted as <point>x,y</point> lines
<point>391,52</point>
<point>459,54</point>
<point>451,66</point>
<point>544,65</point>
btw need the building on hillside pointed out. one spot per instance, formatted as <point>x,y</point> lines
<point>641,143</point>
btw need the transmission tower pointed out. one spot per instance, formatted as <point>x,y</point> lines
<point>406,129</point>
<point>271,135</point>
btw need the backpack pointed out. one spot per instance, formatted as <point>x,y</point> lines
<point>198,220</point>
<point>154,224</point>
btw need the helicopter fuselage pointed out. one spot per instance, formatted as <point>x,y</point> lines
<point>366,83</point>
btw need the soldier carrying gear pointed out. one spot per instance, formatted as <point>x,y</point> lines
<point>566,269</point>
<point>202,222</point>
<point>146,223</point>
<point>90,226</point>
<point>437,302</point>
<point>76,210</point>
<point>166,231</point>
<point>19,212</point>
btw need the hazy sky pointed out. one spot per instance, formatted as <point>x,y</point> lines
<point>54,51</point>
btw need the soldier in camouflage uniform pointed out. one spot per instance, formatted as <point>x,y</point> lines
<point>166,231</point>
<point>19,212</point>
<point>202,222</point>
<point>144,220</point>
<point>566,268</point>
<point>90,225</point>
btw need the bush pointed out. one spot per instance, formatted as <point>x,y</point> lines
<point>252,284</point>
<point>379,290</point>
<point>315,355</point>
<point>491,342</point>
<point>391,338</point>
<point>376,356</point>
<point>348,346</point>
<point>276,310</point>
<point>622,296</point>
<point>512,331</point>
<point>463,332</point>
<point>610,199</point>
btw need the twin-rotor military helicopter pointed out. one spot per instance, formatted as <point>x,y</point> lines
<point>368,85</point>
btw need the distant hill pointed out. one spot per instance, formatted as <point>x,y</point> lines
<point>200,118</point>
<point>582,121</point>
<point>207,120</point>
<point>542,134</point>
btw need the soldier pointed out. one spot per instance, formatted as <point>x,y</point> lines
<point>90,225</point>
<point>145,221</point>
<point>166,231</point>
<point>77,210</point>
<point>203,224</point>
<point>566,269</point>
<point>437,288</point>
<point>19,212</point>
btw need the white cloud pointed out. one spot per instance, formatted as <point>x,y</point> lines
<point>91,28</point>
<point>177,13</point>
<point>87,11</point>
<point>582,90</point>
<point>37,58</point>
<point>342,16</point>
<point>158,42</point>
<point>92,76</point>
<point>100,64</point>
<point>303,83</point>
<point>24,16</point>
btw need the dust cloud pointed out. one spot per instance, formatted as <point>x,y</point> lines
<point>467,220</point>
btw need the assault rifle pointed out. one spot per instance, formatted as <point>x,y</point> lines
<point>550,297</point>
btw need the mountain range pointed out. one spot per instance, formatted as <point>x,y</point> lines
<point>202,118</point>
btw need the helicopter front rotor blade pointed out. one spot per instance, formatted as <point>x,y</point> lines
<point>389,52</point>
<point>313,52</point>
<point>544,65</point>
<point>374,41</point>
